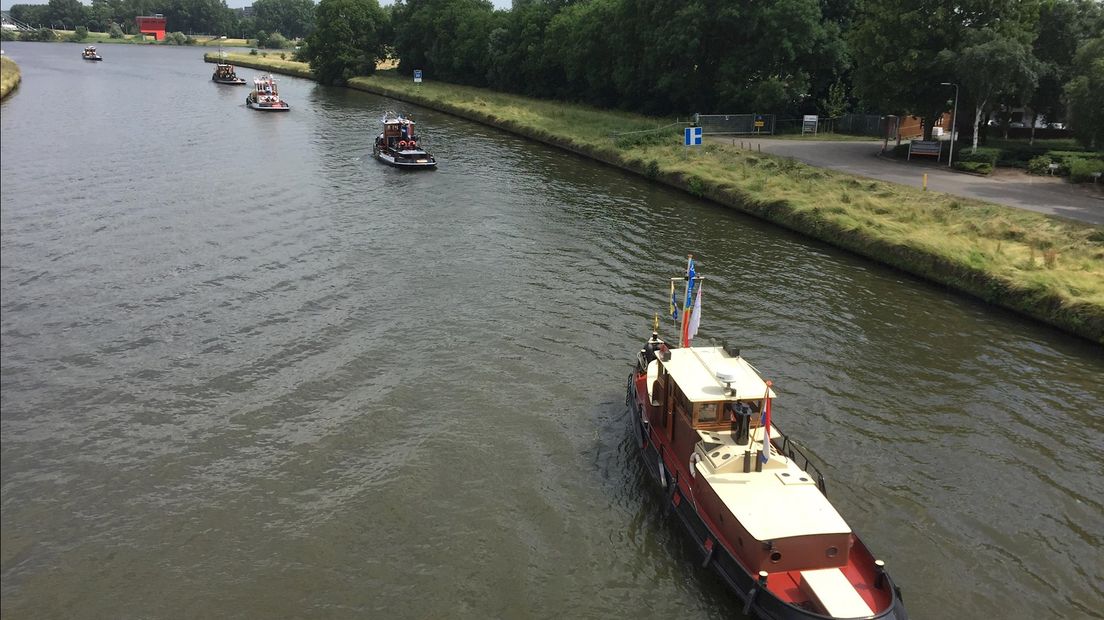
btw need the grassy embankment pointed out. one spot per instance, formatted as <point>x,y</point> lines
<point>96,38</point>
<point>9,76</point>
<point>1045,267</point>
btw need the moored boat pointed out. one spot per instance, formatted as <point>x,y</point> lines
<point>745,492</point>
<point>224,74</point>
<point>266,96</point>
<point>89,53</point>
<point>398,146</point>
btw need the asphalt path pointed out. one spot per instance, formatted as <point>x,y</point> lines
<point>1014,188</point>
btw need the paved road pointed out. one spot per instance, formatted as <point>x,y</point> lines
<point>1011,187</point>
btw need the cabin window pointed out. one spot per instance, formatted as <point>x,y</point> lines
<point>707,412</point>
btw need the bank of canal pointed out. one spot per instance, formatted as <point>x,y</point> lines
<point>1047,268</point>
<point>9,76</point>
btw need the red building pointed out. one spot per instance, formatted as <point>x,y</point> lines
<point>154,24</point>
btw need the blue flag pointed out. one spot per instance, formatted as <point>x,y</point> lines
<point>690,274</point>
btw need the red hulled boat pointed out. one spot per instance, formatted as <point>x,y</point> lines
<point>748,496</point>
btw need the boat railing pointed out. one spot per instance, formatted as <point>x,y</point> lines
<point>792,451</point>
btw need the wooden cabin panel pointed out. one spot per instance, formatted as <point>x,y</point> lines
<point>684,438</point>
<point>807,552</point>
<point>786,554</point>
<point>734,534</point>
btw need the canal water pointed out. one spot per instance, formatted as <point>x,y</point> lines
<point>247,371</point>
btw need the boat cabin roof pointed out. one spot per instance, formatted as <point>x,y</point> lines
<point>698,372</point>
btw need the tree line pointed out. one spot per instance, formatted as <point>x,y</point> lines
<point>291,18</point>
<point>662,57</point>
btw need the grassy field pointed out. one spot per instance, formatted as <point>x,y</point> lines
<point>96,38</point>
<point>269,62</point>
<point>1042,266</point>
<point>9,76</point>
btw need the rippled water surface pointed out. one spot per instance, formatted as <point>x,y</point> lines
<point>247,371</point>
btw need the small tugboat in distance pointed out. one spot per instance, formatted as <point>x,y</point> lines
<point>224,74</point>
<point>748,496</point>
<point>266,96</point>
<point>398,146</point>
<point>89,53</point>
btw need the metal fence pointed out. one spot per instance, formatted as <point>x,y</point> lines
<point>859,124</point>
<point>736,124</point>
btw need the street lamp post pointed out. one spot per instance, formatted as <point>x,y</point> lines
<point>954,121</point>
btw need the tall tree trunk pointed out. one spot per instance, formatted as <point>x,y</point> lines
<point>1034,117</point>
<point>977,122</point>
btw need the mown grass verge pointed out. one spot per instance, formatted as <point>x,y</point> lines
<point>97,38</point>
<point>9,76</point>
<point>1045,267</point>
<point>264,63</point>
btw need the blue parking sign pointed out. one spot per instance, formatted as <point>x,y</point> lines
<point>692,136</point>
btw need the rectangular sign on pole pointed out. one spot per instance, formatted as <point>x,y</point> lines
<point>809,123</point>
<point>692,136</point>
<point>417,76</point>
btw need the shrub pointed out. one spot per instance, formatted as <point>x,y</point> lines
<point>983,155</point>
<point>302,53</point>
<point>978,167</point>
<point>253,52</point>
<point>278,41</point>
<point>1082,170</point>
<point>8,35</point>
<point>262,38</point>
<point>283,56</point>
<point>1039,165</point>
<point>42,34</point>
<point>177,38</point>
<point>80,34</point>
<point>115,32</point>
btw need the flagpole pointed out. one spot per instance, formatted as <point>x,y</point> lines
<point>686,299</point>
<point>764,456</point>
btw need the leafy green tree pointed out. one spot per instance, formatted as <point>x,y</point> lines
<point>579,38</point>
<point>448,39</point>
<point>67,13</point>
<point>993,63</point>
<point>1085,92</point>
<point>835,104</point>
<point>905,48</point>
<point>31,14</point>
<point>114,31</point>
<point>80,34</point>
<point>293,18</point>
<point>348,39</point>
<point>1063,26</point>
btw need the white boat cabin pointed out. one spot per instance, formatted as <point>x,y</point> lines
<point>708,401</point>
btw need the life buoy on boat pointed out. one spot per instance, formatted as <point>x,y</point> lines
<point>662,472</point>
<point>694,460</point>
<point>402,144</point>
<point>413,144</point>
